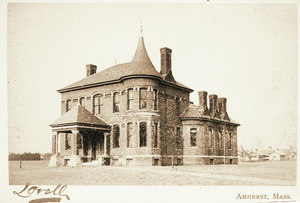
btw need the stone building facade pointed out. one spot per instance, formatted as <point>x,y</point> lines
<point>131,114</point>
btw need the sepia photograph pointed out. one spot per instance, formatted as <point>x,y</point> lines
<point>180,100</point>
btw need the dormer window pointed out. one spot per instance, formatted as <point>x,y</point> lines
<point>143,98</point>
<point>116,102</point>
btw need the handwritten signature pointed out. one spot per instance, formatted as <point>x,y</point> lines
<point>28,191</point>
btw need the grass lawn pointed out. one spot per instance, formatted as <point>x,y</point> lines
<point>257,173</point>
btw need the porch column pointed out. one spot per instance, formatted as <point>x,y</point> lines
<point>74,142</point>
<point>53,159</point>
<point>74,158</point>
<point>54,138</point>
<point>105,134</point>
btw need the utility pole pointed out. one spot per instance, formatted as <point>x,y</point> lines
<point>224,149</point>
<point>20,160</point>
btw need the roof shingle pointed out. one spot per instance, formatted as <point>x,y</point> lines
<point>140,65</point>
<point>78,114</point>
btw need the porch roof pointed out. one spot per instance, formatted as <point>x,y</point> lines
<point>78,115</point>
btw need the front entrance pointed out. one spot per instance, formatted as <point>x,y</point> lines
<point>93,146</point>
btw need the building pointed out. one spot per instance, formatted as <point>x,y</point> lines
<point>277,156</point>
<point>131,114</point>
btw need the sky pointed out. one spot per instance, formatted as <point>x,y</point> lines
<point>244,52</point>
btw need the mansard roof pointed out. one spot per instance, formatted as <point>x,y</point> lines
<point>194,112</point>
<point>140,66</point>
<point>79,115</point>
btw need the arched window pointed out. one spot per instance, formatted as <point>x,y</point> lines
<point>155,99</point>
<point>130,99</point>
<point>68,105</point>
<point>116,136</point>
<point>143,98</point>
<point>229,141</point>
<point>220,139</point>
<point>210,138</point>
<point>116,102</point>
<point>143,134</point>
<point>155,135</point>
<point>129,134</point>
<point>98,104</point>
<point>178,138</point>
<point>193,137</point>
<point>82,101</point>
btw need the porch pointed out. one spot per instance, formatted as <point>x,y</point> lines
<point>78,137</point>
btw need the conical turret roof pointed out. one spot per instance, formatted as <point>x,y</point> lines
<point>140,65</point>
<point>141,54</point>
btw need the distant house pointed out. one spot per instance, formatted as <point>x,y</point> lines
<point>289,154</point>
<point>254,156</point>
<point>277,156</point>
<point>263,155</point>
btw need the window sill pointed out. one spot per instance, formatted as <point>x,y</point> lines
<point>194,147</point>
<point>143,110</point>
<point>143,148</point>
<point>230,149</point>
<point>156,148</point>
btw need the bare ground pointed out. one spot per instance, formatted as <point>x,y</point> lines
<point>259,173</point>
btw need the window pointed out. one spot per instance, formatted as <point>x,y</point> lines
<point>67,141</point>
<point>229,141</point>
<point>143,134</point>
<point>82,101</point>
<point>98,104</point>
<point>116,136</point>
<point>210,137</point>
<point>220,139</point>
<point>193,134</point>
<point>177,100</point>
<point>130,99</point>
<point>178,137</point>
<point>129,135</point>
<point>116,101</point>
<point>143,98</point>
<point>155,136</point>
<point>154,99</point>
<point>68,105</point>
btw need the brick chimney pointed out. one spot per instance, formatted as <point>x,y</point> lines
<point>165,60</point>
<point>213,99</point>
<point>90,69</point>
<point>222,102</point>
<point>202,99</point>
